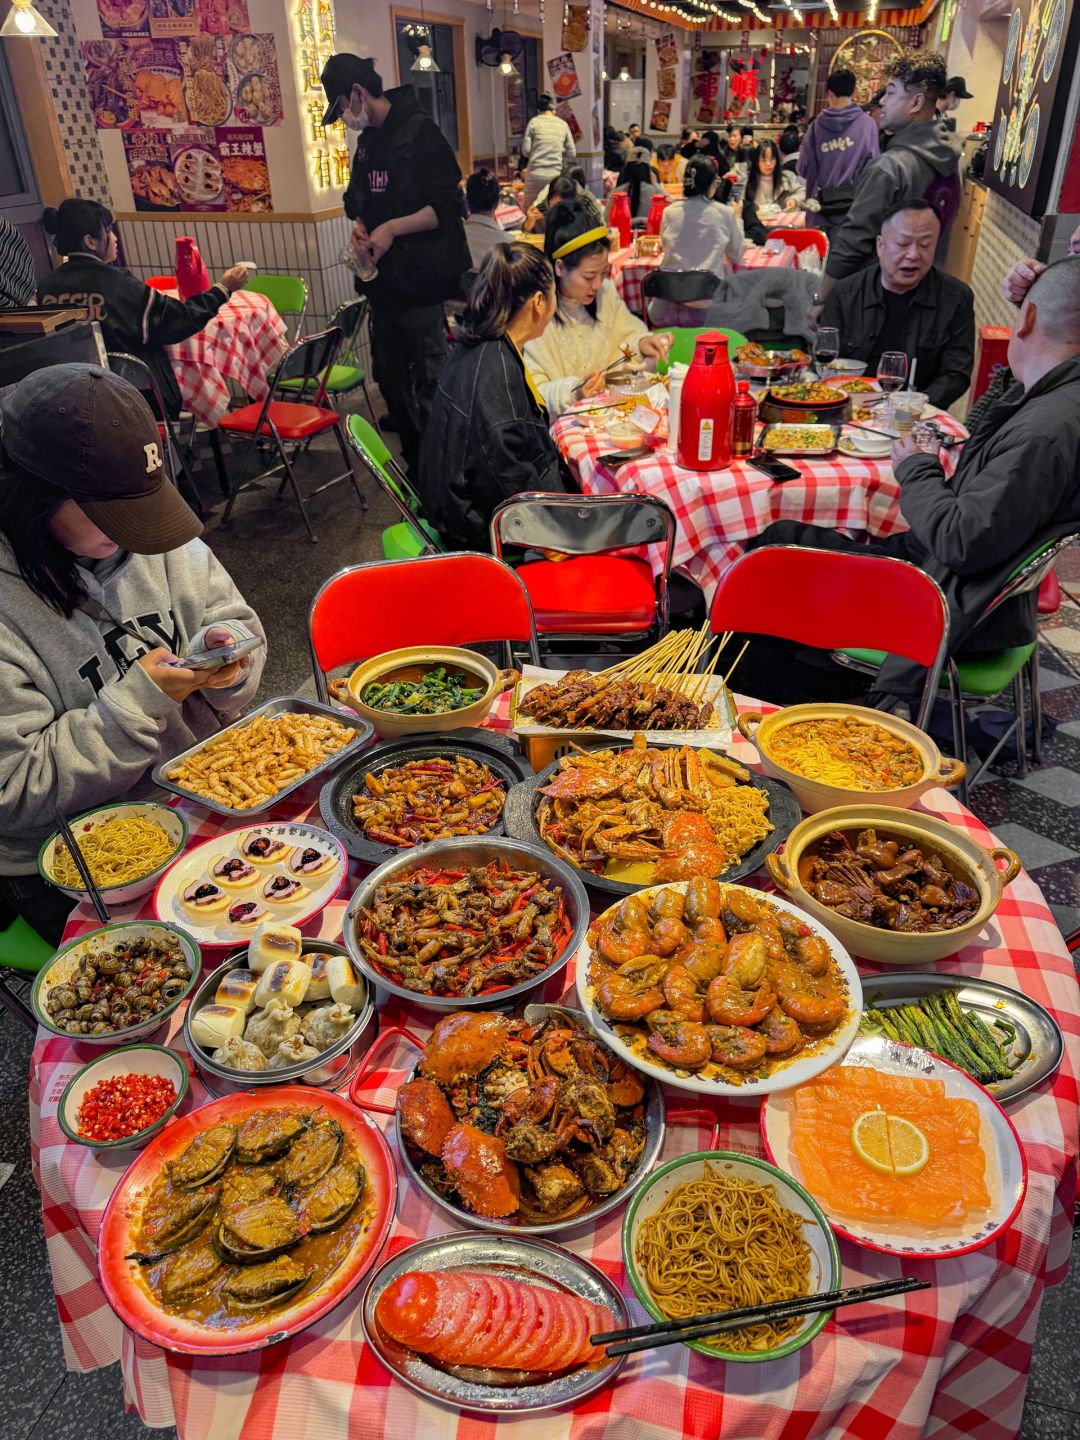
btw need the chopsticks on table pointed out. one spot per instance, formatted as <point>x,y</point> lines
<point>81,865</point>
<point>700,1327</point>
<point>858,425</point>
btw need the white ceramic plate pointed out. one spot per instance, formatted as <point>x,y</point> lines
<point>215,929</point>
<point>783,1078</point>
<point>1006,1170</point>
<point>861,442</point>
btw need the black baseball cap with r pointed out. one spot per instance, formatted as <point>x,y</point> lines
<point>91,437</point>
<point>957,85</point>
<point>340,74</point>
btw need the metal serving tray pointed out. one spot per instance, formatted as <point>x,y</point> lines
<point>280,705</point>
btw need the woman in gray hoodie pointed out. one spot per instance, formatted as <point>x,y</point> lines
<point>104,585</point>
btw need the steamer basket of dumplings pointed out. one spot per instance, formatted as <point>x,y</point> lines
<point>286,1011</point>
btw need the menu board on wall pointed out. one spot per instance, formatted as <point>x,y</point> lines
<point>124,17</point>
<point>564,77</point>
<point>199,169</point>
<point>1032,100</point>
<point>223,17</point>
<point>170,18</point>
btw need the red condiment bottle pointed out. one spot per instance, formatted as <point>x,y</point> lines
<point>192,276</point>
<point>620,217</point>
<point>707,407</point>
<point>656,214</point>
<point>745,420</point>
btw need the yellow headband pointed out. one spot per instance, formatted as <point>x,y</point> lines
<point>598,232</point>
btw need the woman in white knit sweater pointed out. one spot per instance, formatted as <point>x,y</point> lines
<point>591,323</point>
<point>698,233</point>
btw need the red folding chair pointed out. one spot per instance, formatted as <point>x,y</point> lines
<point>802,240</point>
<point>830,600</point>
<point>296,421</point>
<point>457,599</point>
<point>593,592</point>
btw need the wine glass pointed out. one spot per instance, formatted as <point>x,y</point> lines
<point>892,371</point>
<point>826,345</point>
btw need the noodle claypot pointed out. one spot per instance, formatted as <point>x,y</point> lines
<point>968,860</point>
<point>170,820</point>
<point>330,1070</point>
<point>412,663</point>
<point>825,1270</point>
<point>814,795</point>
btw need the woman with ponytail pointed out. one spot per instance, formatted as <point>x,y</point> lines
<point>698,233</point>
<point>487,437</point>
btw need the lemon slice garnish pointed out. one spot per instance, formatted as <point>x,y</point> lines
<point>889,1143</point>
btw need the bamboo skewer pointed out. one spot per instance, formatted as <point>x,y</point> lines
<point>701,689</point>
<point>735,662</point>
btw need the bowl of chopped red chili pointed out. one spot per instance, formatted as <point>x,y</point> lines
<point>121,1100</point>
<point>466,923</point>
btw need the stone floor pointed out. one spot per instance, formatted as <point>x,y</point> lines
<point>273,563</point>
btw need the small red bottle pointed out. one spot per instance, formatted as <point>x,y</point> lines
<point>620,217</point>
<point>707,406</point>
<point>745,420</point>
<point>192,276</point>
<point>657,207</point>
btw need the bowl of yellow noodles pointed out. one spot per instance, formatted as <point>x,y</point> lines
<point>777,1245</point>
<point>847,754</point>
<point>128,846</point>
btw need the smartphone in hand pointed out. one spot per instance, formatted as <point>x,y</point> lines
<point>222,656</point>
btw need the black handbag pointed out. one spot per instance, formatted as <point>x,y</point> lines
<point>836,199</point>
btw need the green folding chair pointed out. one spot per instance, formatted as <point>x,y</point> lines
<point>346,374</point>
<point>682,344</point>
<point>21,949</point>
<point>412,535</point>
<point>288,295</point>
<point>985,677</point>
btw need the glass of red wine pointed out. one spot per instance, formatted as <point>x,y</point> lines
<point>826,345</point>
<point>891,373</point>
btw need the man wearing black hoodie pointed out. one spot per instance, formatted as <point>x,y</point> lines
<point>921,163</point>
<point>404,198</point>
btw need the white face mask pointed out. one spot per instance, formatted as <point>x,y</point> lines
<point>351,121</point>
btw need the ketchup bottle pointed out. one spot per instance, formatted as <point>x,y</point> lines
<point>619,218</point>
<point>192,276</point>
<point>707,407</point>
<point>745,420</point>
<point>656,214</point>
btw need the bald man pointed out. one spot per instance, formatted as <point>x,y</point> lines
<point>1017,486</point>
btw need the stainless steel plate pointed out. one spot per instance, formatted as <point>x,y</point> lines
<point>654,1143</point>
<point>535,1261</point>
<point>1038,1046</point>
<point>281,705</point>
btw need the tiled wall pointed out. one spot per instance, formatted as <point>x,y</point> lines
<point>307,248</point>
<point>1007,235</point>
<point>71,102</point>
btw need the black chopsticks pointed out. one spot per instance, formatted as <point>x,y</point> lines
<point>82,867</point>
<point>699,1327</point>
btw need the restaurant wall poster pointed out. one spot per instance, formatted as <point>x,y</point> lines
<point>1032,101</point>
<point>565,84</point>
<point>575,30</point>
<point>199,169</point>
<point>705,87</point>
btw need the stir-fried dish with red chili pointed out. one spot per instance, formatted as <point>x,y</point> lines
<point>430,799</point>
<point>464,932</point>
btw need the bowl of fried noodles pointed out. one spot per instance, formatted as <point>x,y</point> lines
<point>717,1230</point>
<point>128,846</point>
<point>843,754</point>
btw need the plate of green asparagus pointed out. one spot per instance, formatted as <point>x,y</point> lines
<point>1000,1037</point>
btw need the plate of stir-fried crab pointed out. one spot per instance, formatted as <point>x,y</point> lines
<point>640,815</point>
<point>526,1122</point>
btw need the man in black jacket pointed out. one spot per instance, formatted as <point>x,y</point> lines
<point>905,302</point>
<point>404,198</point>
<point>1017,486</point>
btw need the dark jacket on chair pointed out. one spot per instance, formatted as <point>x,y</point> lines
<point>1017,486</point>
<point>486,439</point>
<point>940,328</point>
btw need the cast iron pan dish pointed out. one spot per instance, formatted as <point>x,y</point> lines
<point>497,752</point>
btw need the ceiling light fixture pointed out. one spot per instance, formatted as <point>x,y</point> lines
<point>624,73</point>
<point>26,23</point>
<point>425,61</point>
<point>506,66</point>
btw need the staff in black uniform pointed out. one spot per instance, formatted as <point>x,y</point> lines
<point>404,198</point>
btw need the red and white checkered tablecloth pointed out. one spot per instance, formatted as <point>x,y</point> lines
<point>628,271</point>
<point>718,511</point>
<point>948,1362</point>
<point>244,341</point>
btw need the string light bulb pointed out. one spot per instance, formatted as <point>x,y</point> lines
<point>26,23</point>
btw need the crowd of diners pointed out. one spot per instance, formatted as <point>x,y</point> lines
<point>105,583</point>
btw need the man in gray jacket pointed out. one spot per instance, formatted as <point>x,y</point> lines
<point>921,163</point>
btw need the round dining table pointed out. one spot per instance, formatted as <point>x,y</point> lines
<point>718,511</point>
<point>629,270</point>
<point>948,1361</point>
